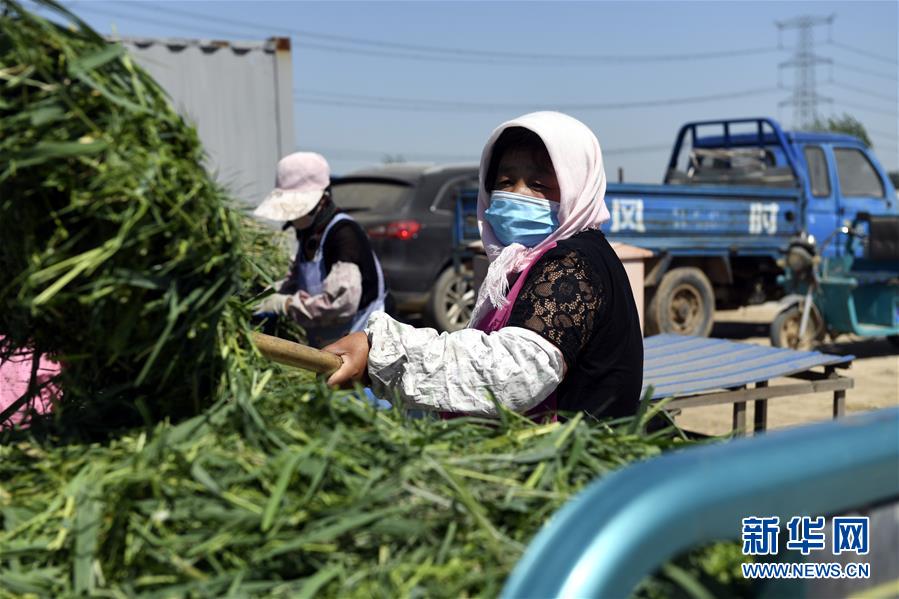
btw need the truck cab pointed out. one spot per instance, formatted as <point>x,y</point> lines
<point>844,179</point>
<point>838,175</point>
<point>735,194</point>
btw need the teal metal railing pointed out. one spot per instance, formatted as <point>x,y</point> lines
<point>608,538</point>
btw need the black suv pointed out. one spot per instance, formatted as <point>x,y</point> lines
<point>408,211</point>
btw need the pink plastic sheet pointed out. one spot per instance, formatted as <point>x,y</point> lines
<point>15,374</point>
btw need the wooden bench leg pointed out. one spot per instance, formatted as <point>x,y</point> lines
<point>740,417</point>
<point>839,396</point>
<point>839,404</point>
<point>760,416</point>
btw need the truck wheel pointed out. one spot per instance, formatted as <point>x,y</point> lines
<point>894,339</point>
<point>683,303</point>
<point>452,300</point>
<point>785,329</point>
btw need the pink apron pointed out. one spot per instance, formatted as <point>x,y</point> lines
<point>15,374</point>
<point>495,319</point>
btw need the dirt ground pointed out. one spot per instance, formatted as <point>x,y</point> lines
<point>875,372</point>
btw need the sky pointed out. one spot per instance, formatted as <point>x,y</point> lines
<point>429,81</point>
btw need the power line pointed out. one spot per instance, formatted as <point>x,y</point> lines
<point>357,154</point>
<point>368,53</point>
<point>491,57</point>
<point>481,53</point>
<point>165,22</point>
<point>865,53</point>
<point>858,69</point>
<point>305,45</point>
<point>429,105</point>
<point>314,46</point>
<point>892,100</point>
<point>872,109</point>
<point>436,53</point>
<point>452,104</point>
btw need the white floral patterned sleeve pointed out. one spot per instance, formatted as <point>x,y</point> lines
<point>458,372</point>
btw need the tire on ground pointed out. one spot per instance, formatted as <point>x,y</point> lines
<point>683,303</point>
<point>451,301</point>
<point>785,329</point>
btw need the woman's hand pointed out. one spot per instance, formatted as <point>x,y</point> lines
<point>353,349</point>
<point>276,303</point>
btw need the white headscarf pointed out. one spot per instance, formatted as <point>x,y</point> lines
<point>577,160</point>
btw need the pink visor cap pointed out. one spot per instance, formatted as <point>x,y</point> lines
<point>302,178</point>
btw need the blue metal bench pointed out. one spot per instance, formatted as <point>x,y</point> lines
<point>699,371</point>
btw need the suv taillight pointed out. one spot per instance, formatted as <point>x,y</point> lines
<point>400,229</point>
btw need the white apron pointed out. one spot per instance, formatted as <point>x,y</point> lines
<point>310,276</point>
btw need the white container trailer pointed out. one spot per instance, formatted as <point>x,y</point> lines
<point>240,97</point>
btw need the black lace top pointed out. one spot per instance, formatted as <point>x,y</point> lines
<point>577,297</point>
<point>560,301</point>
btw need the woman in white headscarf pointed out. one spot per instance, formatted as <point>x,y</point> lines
<point>555,326</point>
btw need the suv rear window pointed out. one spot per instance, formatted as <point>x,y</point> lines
<point>381,195</point>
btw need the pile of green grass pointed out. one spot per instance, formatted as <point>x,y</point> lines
<point>119,253</point>
<point>217,473</point>
<point>286,489</point>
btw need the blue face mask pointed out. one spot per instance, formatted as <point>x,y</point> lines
<point>517,218</point>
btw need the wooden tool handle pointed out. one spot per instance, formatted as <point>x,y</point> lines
<point>296,355</point>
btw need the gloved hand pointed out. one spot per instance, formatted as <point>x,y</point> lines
<point>276,303</point>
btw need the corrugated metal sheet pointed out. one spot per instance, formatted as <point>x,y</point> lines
<point>681,365</point>
<point>239,95</point>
